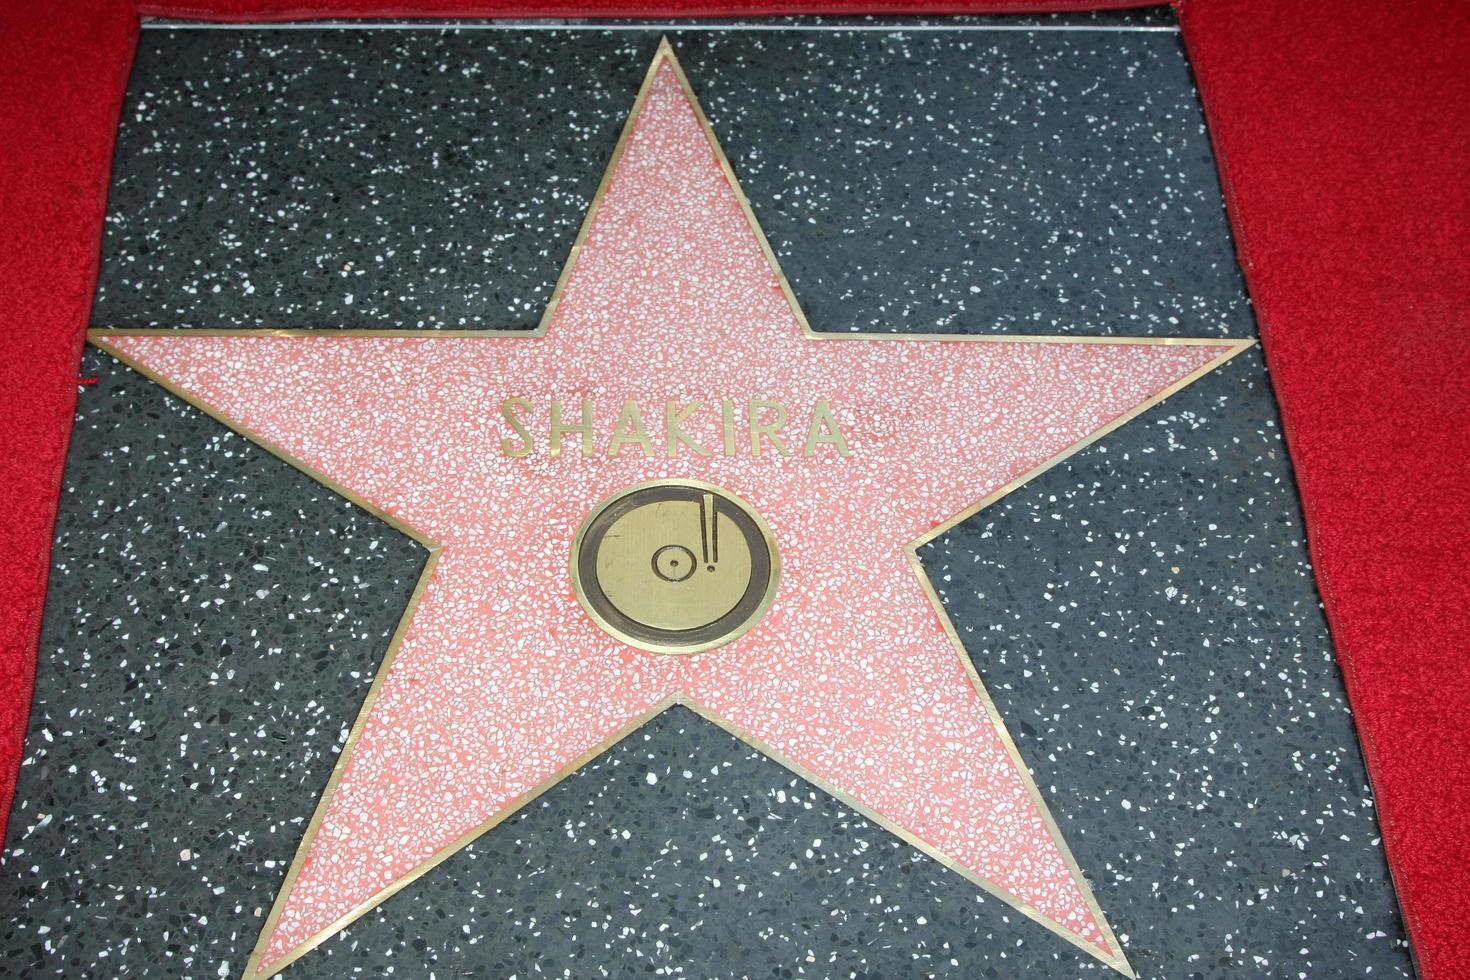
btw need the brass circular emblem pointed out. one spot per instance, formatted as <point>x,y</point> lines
<point>675,566</point>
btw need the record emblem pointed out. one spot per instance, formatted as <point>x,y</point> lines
<point>675,566</point>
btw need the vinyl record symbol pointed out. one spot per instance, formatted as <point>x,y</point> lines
<point>675,566</point>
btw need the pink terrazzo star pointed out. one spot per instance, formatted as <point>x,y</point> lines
<point>500,683</point>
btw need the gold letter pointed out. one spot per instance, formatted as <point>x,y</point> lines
<point>583,429</point>
<point>516,424</point>
<point>822,416</point>
<point>674,436</point>
<point>768,430</point>
<point>727,412</point>
<point>630,418</point>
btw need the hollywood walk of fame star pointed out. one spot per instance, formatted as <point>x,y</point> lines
<point>498,682</point>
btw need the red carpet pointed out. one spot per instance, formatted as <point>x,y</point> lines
<point>1343,134</point>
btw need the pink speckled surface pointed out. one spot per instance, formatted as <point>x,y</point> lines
<point>502,680</point>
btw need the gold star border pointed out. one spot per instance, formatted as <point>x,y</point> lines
<point>665,54</point>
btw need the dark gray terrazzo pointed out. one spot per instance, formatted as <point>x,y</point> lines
<point>213,621</point>
<point>1144,614</point>
<point>1018,182</point>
